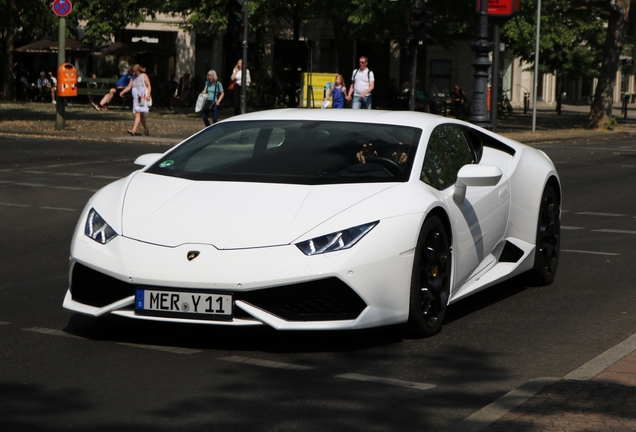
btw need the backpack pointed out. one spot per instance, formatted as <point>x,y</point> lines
<point>356,73</point>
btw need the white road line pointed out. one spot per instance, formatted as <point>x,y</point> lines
<point>58,208</point>
<point>4,323</point>
<point>68,188</point>
<point>571,227</point>
<point>52,332</point>
<point>600,214</point>
<point>265,363</point>
<point>590,252</point>
<point>613,231</point>
<point>35,172</point>
<point>29,184</point>
<point>15,205</point>
<point>386,381</point>
<point>174,350</point>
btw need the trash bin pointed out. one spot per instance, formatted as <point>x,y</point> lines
<point>66,80</point>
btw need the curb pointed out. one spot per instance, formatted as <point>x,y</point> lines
<point>502,406</point>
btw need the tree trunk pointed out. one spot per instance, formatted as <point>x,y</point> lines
<point>7,68</point>
<point>601,110</point>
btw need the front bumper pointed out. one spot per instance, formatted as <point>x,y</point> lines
<point>365,286</point>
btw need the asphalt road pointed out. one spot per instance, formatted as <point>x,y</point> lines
<point>60,371</point>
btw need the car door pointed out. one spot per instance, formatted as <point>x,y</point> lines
<point>479,222</point>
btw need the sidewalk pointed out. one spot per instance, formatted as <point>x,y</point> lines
<point>598,396</point>
<point>170,126</point>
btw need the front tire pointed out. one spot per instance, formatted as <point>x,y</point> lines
<point>430,281</point>
<point>546,256</point>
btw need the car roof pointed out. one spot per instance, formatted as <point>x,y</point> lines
<point>402,118</point>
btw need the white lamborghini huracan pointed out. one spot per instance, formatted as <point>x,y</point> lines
<point>317,220</point>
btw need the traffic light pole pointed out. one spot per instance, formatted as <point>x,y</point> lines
<point>244,72</point>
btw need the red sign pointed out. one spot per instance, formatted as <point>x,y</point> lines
<point>62,7</point>
<point>501,8</point>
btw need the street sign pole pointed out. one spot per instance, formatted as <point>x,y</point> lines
<point>244,73</point>
<point>61,58</point>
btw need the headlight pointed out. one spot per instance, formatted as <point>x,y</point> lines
<point>336,241</point>
<point>98,229</point>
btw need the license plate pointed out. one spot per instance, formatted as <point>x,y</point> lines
<point>191,305</point>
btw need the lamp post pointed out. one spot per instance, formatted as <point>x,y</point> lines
<point>481,64</point>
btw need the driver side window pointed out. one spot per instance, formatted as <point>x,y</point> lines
<point>446,153</point>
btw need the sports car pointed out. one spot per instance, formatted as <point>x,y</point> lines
<point>318,220</point>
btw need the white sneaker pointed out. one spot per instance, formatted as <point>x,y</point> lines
<point>53,102</point>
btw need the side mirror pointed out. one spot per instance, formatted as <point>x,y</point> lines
<point>475,175</point>
<point>148,159</point>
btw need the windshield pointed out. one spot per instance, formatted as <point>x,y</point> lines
<point>297,152</point>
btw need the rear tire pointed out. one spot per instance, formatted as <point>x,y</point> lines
<point>546,256</point>
<point>430,281</point>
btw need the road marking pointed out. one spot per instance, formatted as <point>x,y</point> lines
<point>600,214</point>
<point>613,231</point>
<point>265,363</point>
<point>15,205</point>
<point>386,381</point>
<point>610,149</point>
<point>590,252</point>
<point>52,332</point>
<point>4,323</point>
<point>29,184</point>
<point>174,350</point>
<point>58,208</point>
<point>571,227</point>
<point>68,188</point>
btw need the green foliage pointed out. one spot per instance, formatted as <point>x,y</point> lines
<point>104,18</point>
<point>611,123</point>
<point>571,40</point>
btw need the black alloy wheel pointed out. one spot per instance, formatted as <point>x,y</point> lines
<point>546,258</point>
<point>430,282</point>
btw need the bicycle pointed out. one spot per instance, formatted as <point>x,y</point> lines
<point>504,107</point>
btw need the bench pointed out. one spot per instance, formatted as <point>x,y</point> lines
<point>91,87</point>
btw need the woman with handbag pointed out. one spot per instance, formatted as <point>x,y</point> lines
<point>237,75</point>
<point>141,90</point>
<point>214,90</point>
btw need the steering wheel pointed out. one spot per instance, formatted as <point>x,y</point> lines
<point>392,166</point>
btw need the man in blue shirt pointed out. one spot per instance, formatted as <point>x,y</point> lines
<point>121,84</point>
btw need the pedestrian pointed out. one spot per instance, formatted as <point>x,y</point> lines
<point>123,82</point>
<point>460,101</point>
<point>53,81</point>
<point>45,86</point>
<point>141,91</point>
<point>362,84</point>
<point>237,75</point>
<point>338,93</point>
<point>214,90</point>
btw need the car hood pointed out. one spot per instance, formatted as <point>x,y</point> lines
<point>170,211</point>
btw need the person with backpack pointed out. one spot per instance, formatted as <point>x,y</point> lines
<point>362,84</point>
